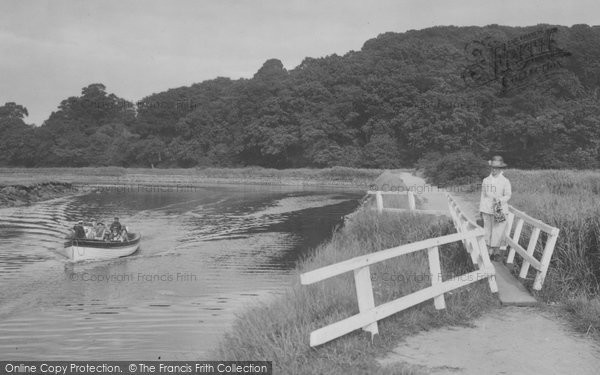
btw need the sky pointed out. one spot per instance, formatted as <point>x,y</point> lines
<point>51,49</point>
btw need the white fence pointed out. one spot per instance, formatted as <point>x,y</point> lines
<point>412,207</point>
<point>369,314</point>
<point>537,227</point>
<point>463,223</point>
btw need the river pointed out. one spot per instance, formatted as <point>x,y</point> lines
<point>207,253</point>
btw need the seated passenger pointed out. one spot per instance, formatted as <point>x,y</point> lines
<point>79,230</point>
<point>116,225</point>
<point>100,231</point>
<point>114,234</point>
<point>124,235</point>
<point>91,230</point>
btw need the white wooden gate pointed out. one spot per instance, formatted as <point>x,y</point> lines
<point>463,223</point>
<point>369,314</point>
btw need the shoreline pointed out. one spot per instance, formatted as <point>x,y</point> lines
<point>22,195</point>
<point>22,186</point>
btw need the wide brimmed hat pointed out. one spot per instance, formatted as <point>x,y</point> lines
<point>497,162</point>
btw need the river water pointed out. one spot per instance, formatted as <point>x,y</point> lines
<point>207,253</point>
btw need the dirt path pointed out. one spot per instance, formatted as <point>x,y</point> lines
<point>509,340</point>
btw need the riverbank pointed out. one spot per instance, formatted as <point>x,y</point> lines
<point>279,330</point>
<point>346,178</point>
<point>21,186</point>
<point>20,195</point>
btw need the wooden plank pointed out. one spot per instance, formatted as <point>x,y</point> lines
<point>511,291</point>
<point>431,212</point>
<point>462,215</point>
<point>486,264</point>
<point>530,250</point>
<point>335,330</point>
<point>411,201</point>
<point>534,222</point>
<point>390,209</point>
<point>372,192</point>
<point>522,252</point>
<point>509,222</point>
<point>368,259</point>
<point>364,295</point>
<point>436,275</point>
<point>461,223</point>
<point>515,239</point>
<point>545,261</point>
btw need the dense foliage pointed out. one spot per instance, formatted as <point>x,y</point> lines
<point>455,168</point>
<point>398,98</point>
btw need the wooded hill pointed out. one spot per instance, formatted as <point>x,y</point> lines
<point>398,98</point>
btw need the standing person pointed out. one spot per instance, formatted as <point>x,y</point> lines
<point>493,206</point>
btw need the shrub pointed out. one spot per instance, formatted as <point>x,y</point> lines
<point>457,168</point>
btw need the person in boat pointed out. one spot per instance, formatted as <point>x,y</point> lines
<point>79,230</point>
<point>100,231</point>
<point>115,226</point>
<point>90,231</point>
<point>124,237</point>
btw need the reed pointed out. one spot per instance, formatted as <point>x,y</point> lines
<point>570,201</point>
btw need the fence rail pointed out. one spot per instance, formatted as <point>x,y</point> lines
<point>412,207</point>
<point>538,227</point>
<point>369,314</point>
<point>462,223</point>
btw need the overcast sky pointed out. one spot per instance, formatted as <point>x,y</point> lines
<point>51,49</point>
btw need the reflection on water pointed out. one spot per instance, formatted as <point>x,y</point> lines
<point>205,255</point>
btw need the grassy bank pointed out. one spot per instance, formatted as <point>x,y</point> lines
<point>18,195</point>
<point>570,201</point>
<point>336,176</point>
<point>279,330</point>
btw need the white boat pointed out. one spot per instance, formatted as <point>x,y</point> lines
<point>89,249</point>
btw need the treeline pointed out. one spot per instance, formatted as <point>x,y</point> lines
<point>399,98</point>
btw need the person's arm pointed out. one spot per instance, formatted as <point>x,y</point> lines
<point>507,192</point>
<point>487,190</point>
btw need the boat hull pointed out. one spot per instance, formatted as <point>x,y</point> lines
<point>84,249</point>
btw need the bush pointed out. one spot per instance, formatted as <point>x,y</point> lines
<point>457,168</point>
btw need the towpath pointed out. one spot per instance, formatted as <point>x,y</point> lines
<point>508,340</point>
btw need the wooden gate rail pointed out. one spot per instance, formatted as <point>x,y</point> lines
<point>369,314</point>
<point>463,223</point>
<point>541,266</point>
<point>411,202</point>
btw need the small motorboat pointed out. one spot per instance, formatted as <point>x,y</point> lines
<point>92,249</point>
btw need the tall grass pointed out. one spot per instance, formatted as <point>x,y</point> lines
<point>570,201</point>
<point>279,330</point>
